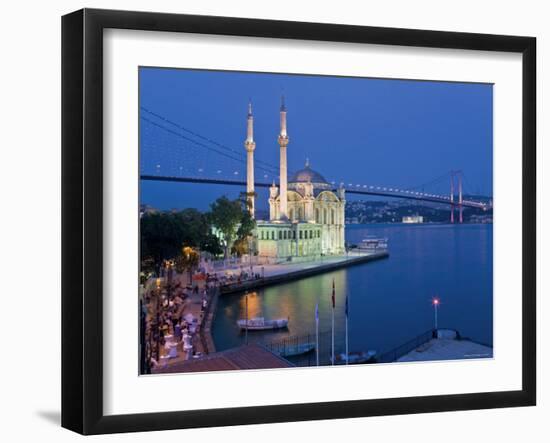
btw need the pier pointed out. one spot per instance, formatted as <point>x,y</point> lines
<point>282,273</point>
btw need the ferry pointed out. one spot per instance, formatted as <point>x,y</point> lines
<point>261,324</point>
<point>373,244</point>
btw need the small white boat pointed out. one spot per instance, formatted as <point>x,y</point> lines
<point>373,244</point>
<point>292,350</point>
<point>260,323</point>
<point>356,358</point>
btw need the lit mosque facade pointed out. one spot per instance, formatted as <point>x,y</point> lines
<point>306,216</point>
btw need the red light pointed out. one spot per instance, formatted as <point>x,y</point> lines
<point>435,301</point>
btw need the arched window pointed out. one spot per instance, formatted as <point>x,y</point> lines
<point>291,214</point>
<point>324,216</point>
<point>317,215</point>
<point>272,235</point>
<point>280,235</point>
<point>332,216</point>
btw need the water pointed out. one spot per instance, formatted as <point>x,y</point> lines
<point>390,300</point>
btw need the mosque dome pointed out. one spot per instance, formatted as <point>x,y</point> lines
<point>308,175</point>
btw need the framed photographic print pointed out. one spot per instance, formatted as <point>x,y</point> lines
<point>269,221</point>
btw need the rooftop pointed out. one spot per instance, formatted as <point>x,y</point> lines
<point>447,349</point>
<point>308,175</point>
<point>244,357</point>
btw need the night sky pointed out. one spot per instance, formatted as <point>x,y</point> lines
<point>395,133</point>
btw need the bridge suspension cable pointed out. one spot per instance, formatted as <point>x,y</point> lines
<point>241,157</point>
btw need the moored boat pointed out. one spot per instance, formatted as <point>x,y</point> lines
<point>293,350</point>
<point>356,358</point>
<point>261,324</point>
<point>373,244</point>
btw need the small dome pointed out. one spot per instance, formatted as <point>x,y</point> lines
<point>308,175</point>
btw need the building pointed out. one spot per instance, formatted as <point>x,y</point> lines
<point>413,219</point>
<point>306,215</point>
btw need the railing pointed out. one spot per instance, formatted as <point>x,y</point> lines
<point>405,348</point>
<point>284,346</point>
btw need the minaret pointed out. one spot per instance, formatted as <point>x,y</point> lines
<point>250,145</point>
<point>283,143</point>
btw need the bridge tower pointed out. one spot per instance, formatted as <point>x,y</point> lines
<point>250,146</point>
<point>456,176</point>
<point>452,197</point>
<point>283,143</point>
<point>459,173</point>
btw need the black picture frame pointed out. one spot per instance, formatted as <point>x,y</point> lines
<point>82,218</point>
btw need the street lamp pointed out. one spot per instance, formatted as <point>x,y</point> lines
<point>158,319</point>
<point>435,303</point>
<point>249,237</point>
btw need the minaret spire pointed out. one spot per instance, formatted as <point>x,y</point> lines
<point>250,146</point>
<point>283,143</point>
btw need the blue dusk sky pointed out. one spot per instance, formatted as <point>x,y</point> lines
<point>395,133</point>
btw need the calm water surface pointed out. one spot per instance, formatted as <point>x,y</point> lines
<point>390,300</point>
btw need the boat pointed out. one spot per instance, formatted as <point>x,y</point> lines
<point>356,358</point>
<point>373,244</point>
<point>293,350</point>
<point>261,324</point>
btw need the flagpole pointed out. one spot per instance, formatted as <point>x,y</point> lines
<point>347,340</point>
<point>246,321</point>
<point>333,305</point>
<point>317,333</point>
<point>333,336</point>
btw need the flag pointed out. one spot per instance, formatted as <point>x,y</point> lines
<point>317,312</point>
<point>333,295</point>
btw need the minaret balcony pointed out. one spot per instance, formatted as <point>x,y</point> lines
<point>283,140</point>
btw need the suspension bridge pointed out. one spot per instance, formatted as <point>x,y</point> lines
<point>172,152</point>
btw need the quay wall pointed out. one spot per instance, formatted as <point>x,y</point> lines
<point>302,273</point>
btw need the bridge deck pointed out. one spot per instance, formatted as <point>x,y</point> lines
<point>375,191</point>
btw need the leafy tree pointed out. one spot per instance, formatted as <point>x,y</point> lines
<point>210,243</point>
<point>163,234</point>
<point>226,216</point>
<point>187,261</point>
<point>161,237</point>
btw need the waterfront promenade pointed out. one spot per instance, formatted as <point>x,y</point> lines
<point>271,274</point>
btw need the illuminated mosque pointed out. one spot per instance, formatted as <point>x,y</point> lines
<point>306,216</point>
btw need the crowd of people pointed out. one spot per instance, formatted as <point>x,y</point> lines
<point>173,314</point>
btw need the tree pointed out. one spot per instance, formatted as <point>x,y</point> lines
<point>164,233</point>
<point>246,227</point>
<point>226,216</point>
<point>187,261</point>
<point>161,237</point>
